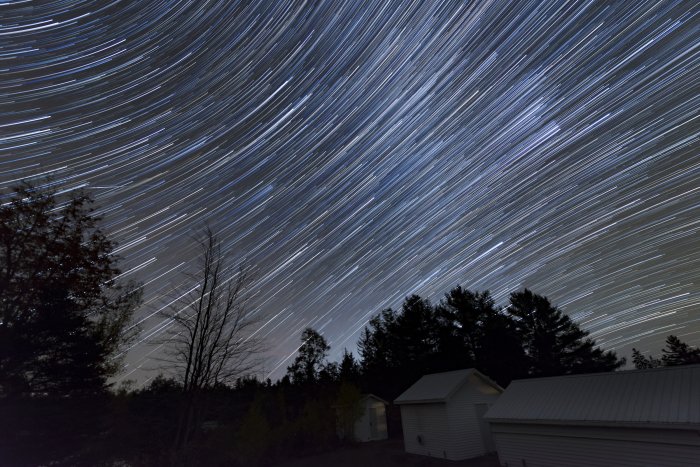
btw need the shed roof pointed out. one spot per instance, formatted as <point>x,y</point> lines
<point>439,387</point>
<point>372,396</point>
<point>658,397</point>
<point>364,397</point>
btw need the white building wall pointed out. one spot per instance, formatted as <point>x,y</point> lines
<point>579,446</point>
<point>381,430</point>
<point>465,430</point>
<point>363,429</point>
<point>430,422</point>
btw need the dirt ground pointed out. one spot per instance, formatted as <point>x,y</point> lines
<point>388,453</point>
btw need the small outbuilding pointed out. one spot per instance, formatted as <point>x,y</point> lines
<point>442,414</point>
<point>625,418</point>
<point>370,425</point>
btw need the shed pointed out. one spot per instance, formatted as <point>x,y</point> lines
<point>442,414</point>
<point>626,418</point>
<point>371,424</point>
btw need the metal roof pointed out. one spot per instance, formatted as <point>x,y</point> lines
<point>439,387</point>
<point>659,397</point>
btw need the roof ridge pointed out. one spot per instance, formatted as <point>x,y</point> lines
<point>425,389</point>
<point>609,373</point>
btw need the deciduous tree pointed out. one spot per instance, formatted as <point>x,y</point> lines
<point>64,317</point>
<point>211,338</point>
<point>311,359</point>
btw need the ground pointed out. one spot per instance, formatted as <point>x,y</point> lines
<point>388,453</point>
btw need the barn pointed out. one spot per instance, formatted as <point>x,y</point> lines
<point>371,424</point>
<point>627,418</point>
<point>442,414</point>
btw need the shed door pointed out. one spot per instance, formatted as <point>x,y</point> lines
<point>381,422</point>
<point>373,423</point>
<point>484,427</point>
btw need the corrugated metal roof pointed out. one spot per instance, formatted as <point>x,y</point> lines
<point>662,396</point>
<point>438,387</point>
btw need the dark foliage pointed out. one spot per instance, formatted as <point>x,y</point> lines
<point>676,352</point>
<point>375,344</point>
<point>530,338</point>
<point>553,343</point>
<point>349,369</point>
<point>62,315</point>
<point>476,333</point>
<point>64,431</point>
<point>644,363</point>
<point>311,364</point>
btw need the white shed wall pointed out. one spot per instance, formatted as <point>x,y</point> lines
<point>578,446</point>
<point>382,428</point>
<point>465,431</point>
<point>363,429</point>
<point>430,422</point>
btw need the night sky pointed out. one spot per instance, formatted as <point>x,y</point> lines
<point>356,153</point>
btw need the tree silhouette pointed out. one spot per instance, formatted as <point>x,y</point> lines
<point>555,345</point>
<point>63,316</point>
<point>476,333</point>
<point>677,352</point>
<point>466,329</point>
<point>211,340</point>
<point>501,355</point>
<point>396,348</point>
<point>643,363</point>
<point>415,336</point>
<point>375,344</point>
<point>349,369</point>
<point>464,313</point>
<point>311,360</point>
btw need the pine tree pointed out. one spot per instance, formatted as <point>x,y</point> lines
<point>415,336</point>
<point>376,343</point>
<point>643,363</point>
<point>554,344</point>
<point>463,314</point>
<point>398,347</point>
<point>474,332</point>
<point>678,352</point>
<point>349,370</point>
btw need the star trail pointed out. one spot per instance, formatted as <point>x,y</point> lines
<point>356,152</point>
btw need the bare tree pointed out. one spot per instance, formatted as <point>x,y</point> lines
<point>211,339</point>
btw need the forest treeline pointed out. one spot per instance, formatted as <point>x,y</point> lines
<point>529,337</point>
<point>66,322</point>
